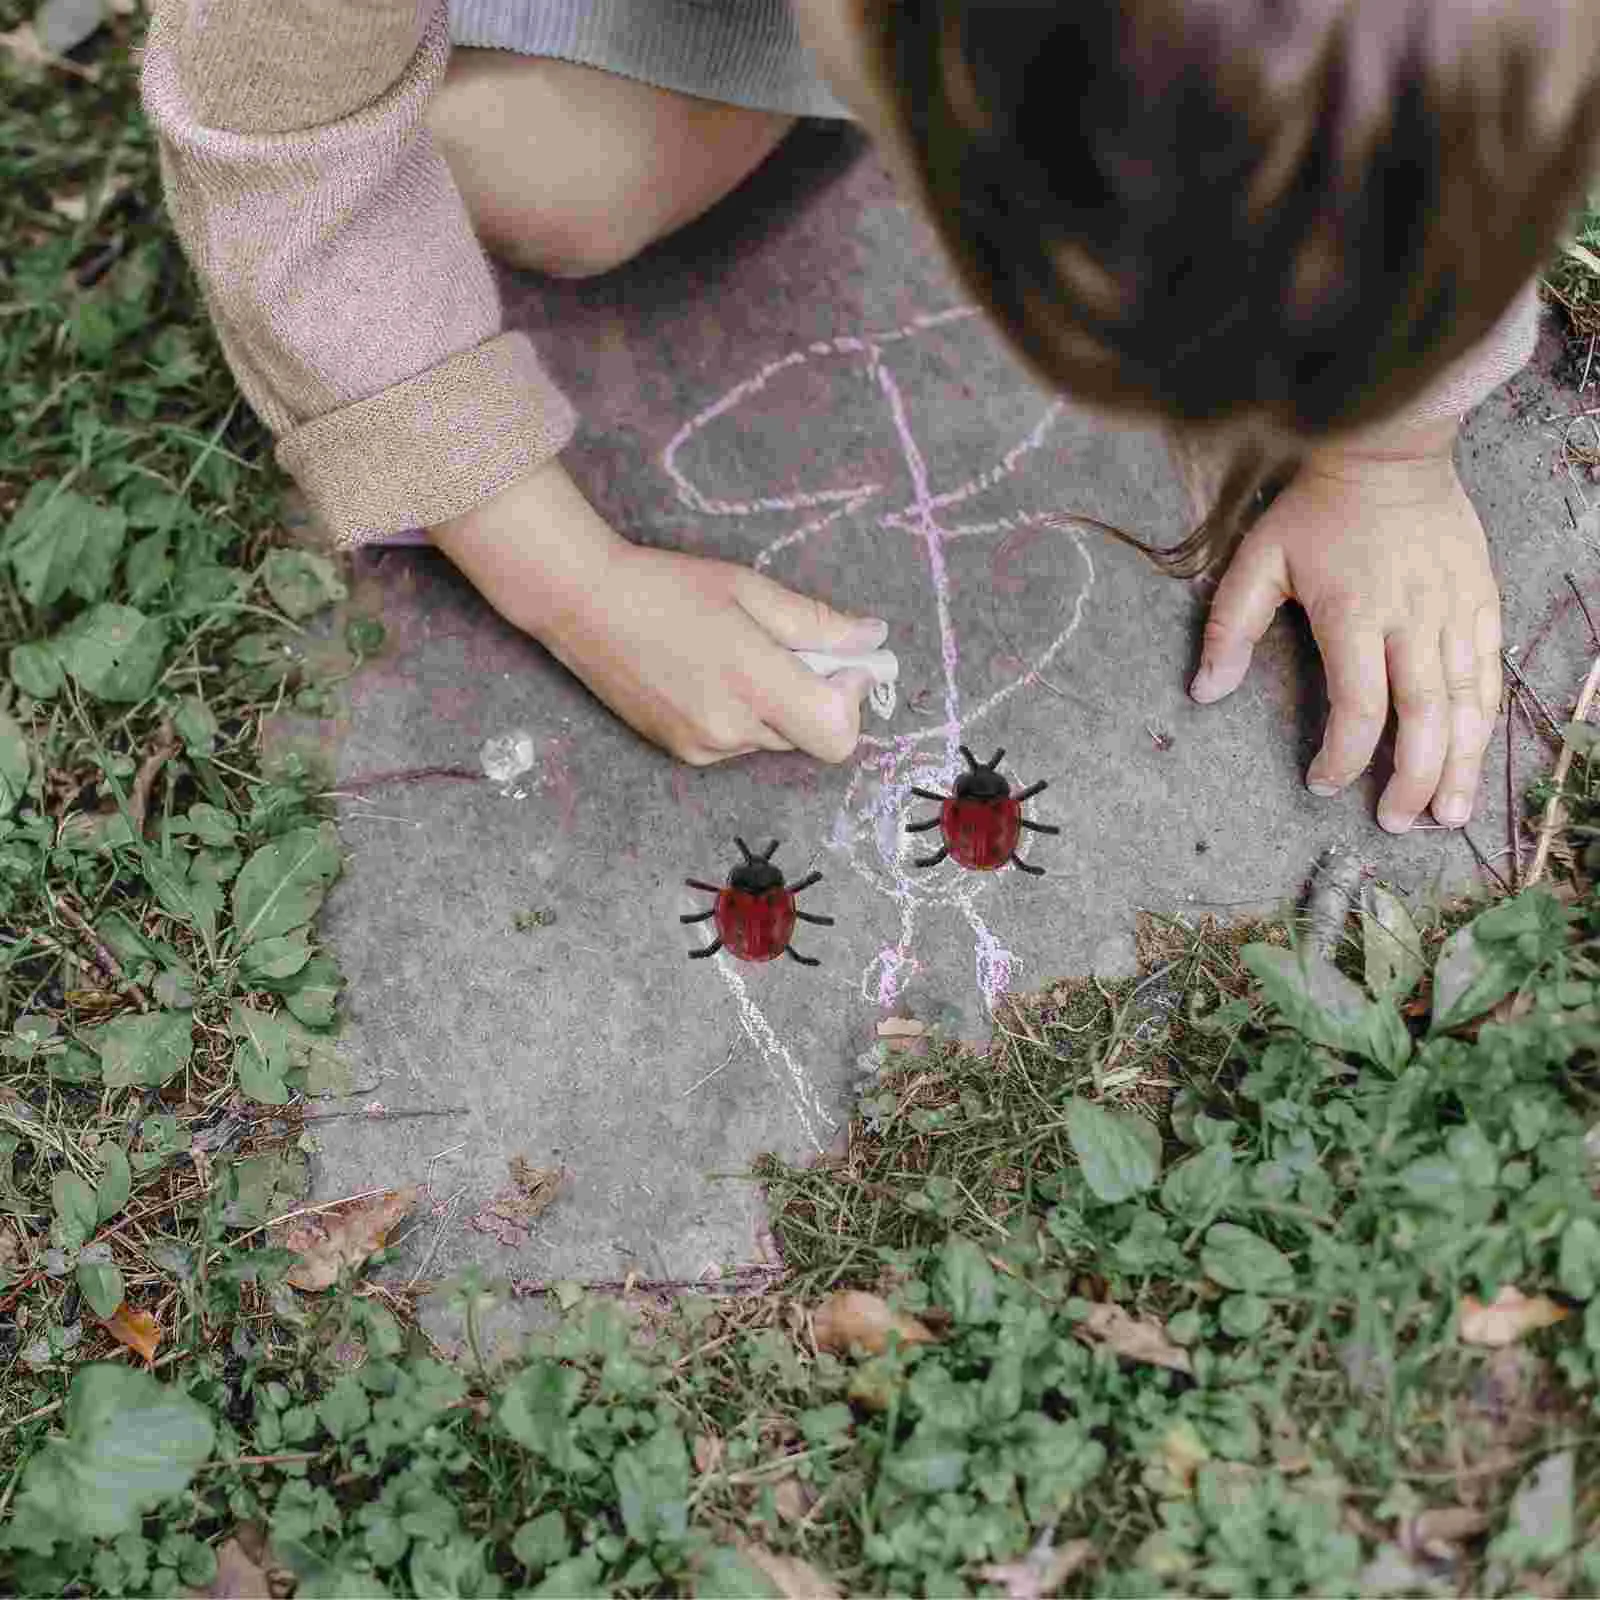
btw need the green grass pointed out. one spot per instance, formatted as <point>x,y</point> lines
<point>1288,1176</point>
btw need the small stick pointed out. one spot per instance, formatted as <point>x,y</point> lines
<point>532,1286</point>
<point>144,780</point>
<point>1577,594</point>
<point>1483,861</point>
<point>1516,672</point>
<point>376,780</point>
<point>1513,818</point>
<point>104,959</point>
<point>1554,815</point>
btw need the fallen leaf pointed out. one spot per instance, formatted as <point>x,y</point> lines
<point>136,1329</point>
<point>344,1236</point>
<point>795,1579</point>
<point>1042,1571</point>
<point>853,1319</point>
<point>1507,1317</point>
<point>74,207</point>
<point>1438,1532</point>
<point>238,1577</point>
<point>531,1192</point>
<point>1137,1338</point>
<point>707,1452</point>
<point>1181,1453</point>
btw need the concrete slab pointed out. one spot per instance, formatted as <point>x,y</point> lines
<point>798,384</point>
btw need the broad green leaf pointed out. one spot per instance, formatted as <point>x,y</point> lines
<point>301,582</point>
<point>1469,977</point>
<point>148,568</point>
<point>542,1541</point>
<point>1579,1268</point>
<point>195,725</point>
<point>536,1411</point>
<point>1584,737</point>
<point>116,1182</point>
<point>142,1051</point>
<point>724,1574</point>
<point>132,1443</point>
<point>344,1409</point>
<point>196,901</point>
<point>282,884</point>
<point>16,764</point>
<point>1119,1152</point>
<point>312,995</point>
<point>101,1283</point>
<point>967,1281</point>
<point>36,670</point>
<point>262,1057</point>
<point>279,957</point>
<point>327,1072</point>
<point>933,1461</point>
<point>76,1212</point>
<point>1391,947</point>
<point>63,543</point>
<point>114,652</point>
<point>652,1481</point>
<point>1316,999</point>
<point>210,825</point>
<point>1198,1186</point>
<point>1239,1259</point>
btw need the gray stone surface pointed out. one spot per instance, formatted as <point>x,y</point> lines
<point>795,383</point>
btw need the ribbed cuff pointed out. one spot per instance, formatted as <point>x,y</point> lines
<point>430,448</point>
<point>1471,380</point>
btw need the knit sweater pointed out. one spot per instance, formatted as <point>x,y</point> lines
<point>352,301</point>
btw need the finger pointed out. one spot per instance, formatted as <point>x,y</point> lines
<point>1254,586</point>
<point>800,622</point>
<point>821,716</point>
<point>1422,716</point>
<point>1472,682</point>
<point>1358,700</point>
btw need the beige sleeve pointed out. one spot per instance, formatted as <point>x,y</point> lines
<point>1501,356</point>
<point>352,301</point>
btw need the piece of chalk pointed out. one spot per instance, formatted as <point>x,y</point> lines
<point>882,664</point>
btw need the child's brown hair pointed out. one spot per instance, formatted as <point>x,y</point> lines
<point>1278,218</point>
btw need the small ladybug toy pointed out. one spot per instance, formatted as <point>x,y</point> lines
<point>755,911</point>
<point>982,820</point>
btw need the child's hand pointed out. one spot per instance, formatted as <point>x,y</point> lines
<point>1387,556</point>
<point>690,652</point>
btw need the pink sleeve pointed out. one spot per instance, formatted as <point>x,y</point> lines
<point>1471,380</point>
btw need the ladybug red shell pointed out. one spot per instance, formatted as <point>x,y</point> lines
<point>755,910</point>
<point>982,821</point>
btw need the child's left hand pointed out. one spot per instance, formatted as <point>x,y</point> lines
<point>1388,558</point>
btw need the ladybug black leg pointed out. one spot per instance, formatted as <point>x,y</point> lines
<point>805,961</point>
<point>806,916</point>
<point>710,950</point>
<point>698,916</point>
<point>1031,791</point>
<point>706,888</point>
<point>923,827</point>
<point>933,860</point>
<point>1039,827</point>
<point>928,794</point>
<point>805,883</point>
<point>1022,866</point>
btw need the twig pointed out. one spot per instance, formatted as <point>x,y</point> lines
<point>376,780</point>
<point>1513,815</point>
<point>1577,594</point>
<point>738,1278</point>
<point>1528,688</point>
<point>1554,815</point>
<point>1484,862</point>
<point>104,959</point>
<point>166,746</point>
<point>727,1061</point>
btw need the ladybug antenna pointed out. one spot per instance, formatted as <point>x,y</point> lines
<point>769,851</point>
<point>745,850</point>
<point>972,760</point>
<point>993,763</point>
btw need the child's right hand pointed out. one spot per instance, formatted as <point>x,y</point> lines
<point>692,653</point>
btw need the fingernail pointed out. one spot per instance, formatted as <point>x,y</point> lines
<point>1203,686</point>
<point>866,634</point>
<point>1395,821</point>
<point>1321,788</point>
<point>1452,810</point>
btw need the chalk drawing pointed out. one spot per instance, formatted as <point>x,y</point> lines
<point>868,829</point>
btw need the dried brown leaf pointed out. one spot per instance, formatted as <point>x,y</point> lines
<point>855,1320</point>
<point>136,1329</point>
<point>344,1236</point>
<point>1439,1531</point>
<point>1136,1338</point>
<point>792,1499</point>
<point>237,1578</point>
<point>794,1579</point>
<point>1507,1317</point>
<point>707,1452</point>
<point>1042,1571</point>
<point>516,1206</point>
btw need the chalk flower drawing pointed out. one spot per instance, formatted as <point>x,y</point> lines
<point>868,828</point>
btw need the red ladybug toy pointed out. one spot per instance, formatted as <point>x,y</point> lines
<point>982,820</point>
<point>755,911</point>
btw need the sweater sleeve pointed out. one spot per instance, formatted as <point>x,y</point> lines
<point>1501,356</point>
<point>349,294</point>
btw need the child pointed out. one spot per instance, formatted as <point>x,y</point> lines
<point>1302,228</point>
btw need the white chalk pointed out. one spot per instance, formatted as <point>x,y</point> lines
<point>882,664</point>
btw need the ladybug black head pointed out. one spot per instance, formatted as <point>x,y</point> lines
<point>756,873</point>
<point>983,782</point>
